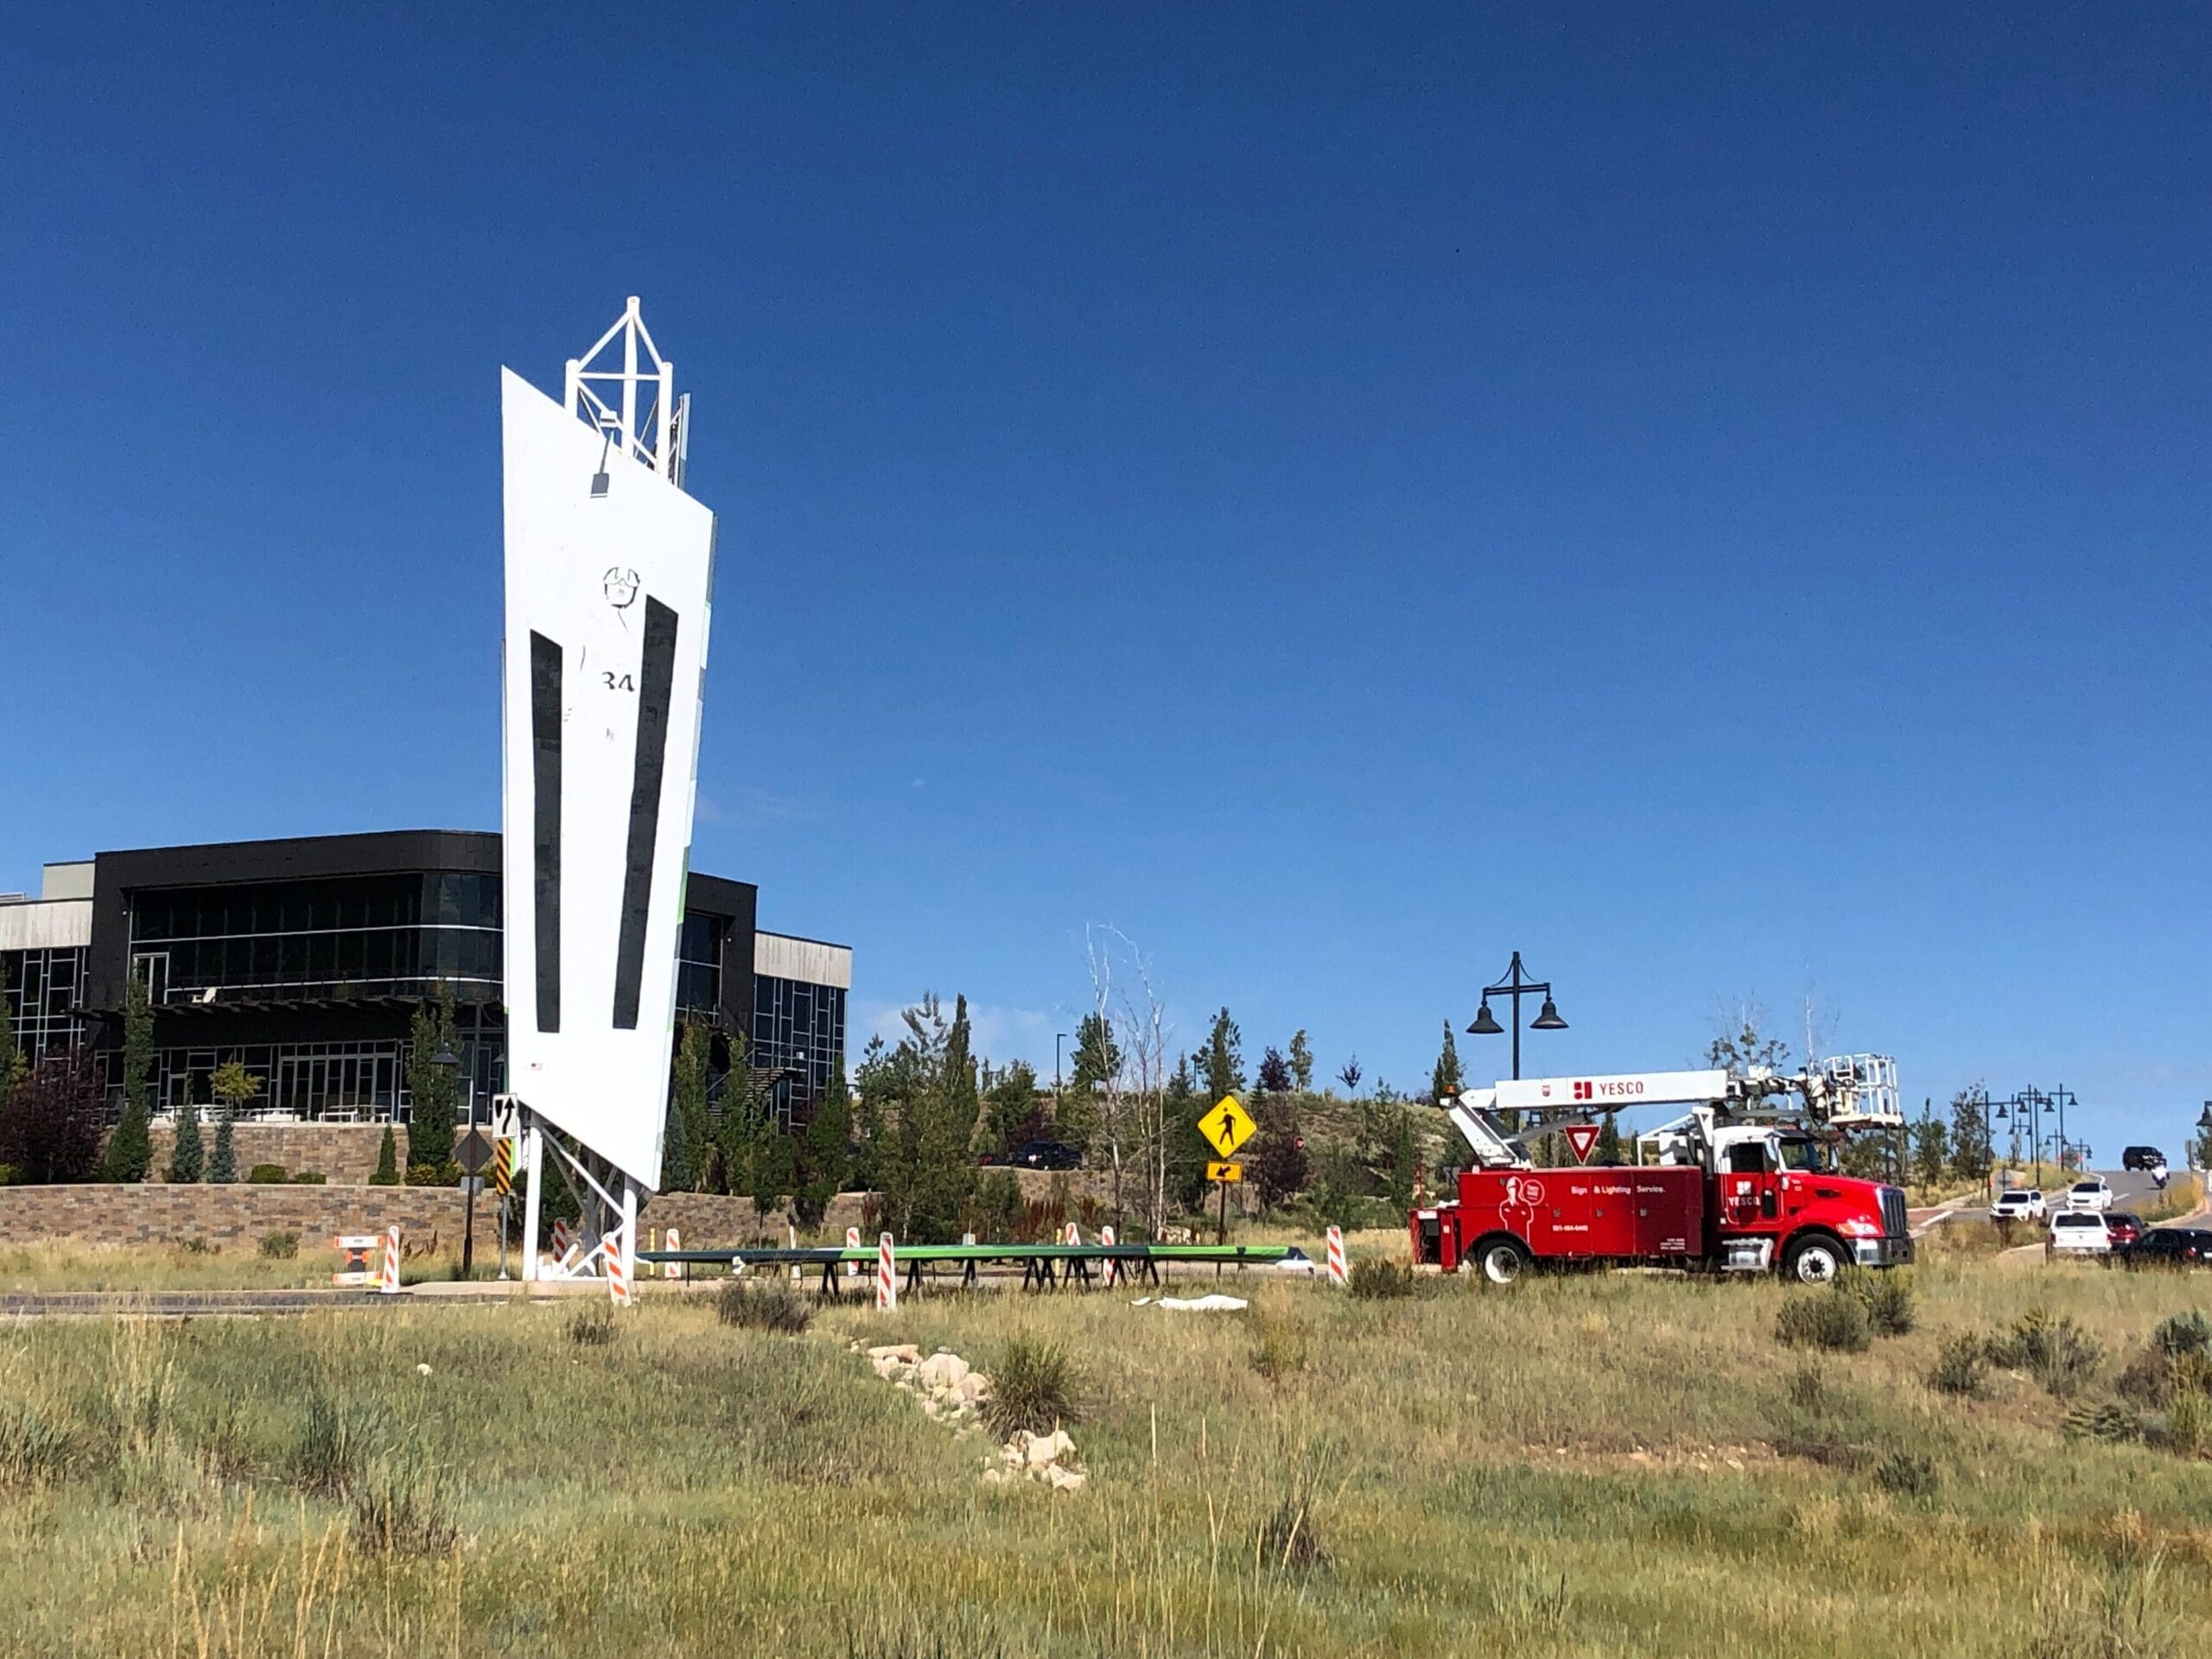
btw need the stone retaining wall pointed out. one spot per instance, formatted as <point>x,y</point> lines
<point>343,1153</point>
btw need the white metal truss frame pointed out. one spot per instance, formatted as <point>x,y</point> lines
<point>609,1223</point>
<point>659,437</point>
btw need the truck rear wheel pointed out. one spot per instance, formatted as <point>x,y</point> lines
<point>1814,1260</point>
<point>1502,1259</point>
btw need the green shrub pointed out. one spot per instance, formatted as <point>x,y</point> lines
<point>196,1245</point>
<point>763,1305</point>
<point>2103,1420</point>
<point>1833,1320</point>
<point>591,1325</point>
<point>328,1454</point>
<point>1289,1540</point>
<point>33,1451</point>
<point>1959,1369</point>
<point>280,1246</point>
<point>267,1175</point>
<point>1279,1344</point>
<point>1377,1280</point>
<point>2183,1333</point>
<point>1824,1425</point>
<point>2188,1425</point>
<point>404,1505</point>
<point>310,1178</point>
<point>7,1174</point>
<point>1034,1386</point>
<point>1907,1474</point>
<point>1887,1294</point>
<point>2050,1347</point>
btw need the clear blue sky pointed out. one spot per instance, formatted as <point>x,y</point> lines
<point>1340,493</point>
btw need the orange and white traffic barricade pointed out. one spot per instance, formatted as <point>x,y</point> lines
<point>887,1275</point>
<point>1074,1238</point>
<point>854,1270</point>
<point>560,1243</point>
<point>1338,1275</point>
<point>673,1242</point>
<point>618,1277</point>
<point>390,1285</point>
<point>354,1250</point>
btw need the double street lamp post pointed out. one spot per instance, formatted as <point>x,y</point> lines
<point>1516,984</point>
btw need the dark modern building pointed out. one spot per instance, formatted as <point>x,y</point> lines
<point>306,959</point>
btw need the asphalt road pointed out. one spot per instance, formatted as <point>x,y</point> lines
<point>2131,1190</point>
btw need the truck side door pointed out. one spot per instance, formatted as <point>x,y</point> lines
<point>1748,1187</point>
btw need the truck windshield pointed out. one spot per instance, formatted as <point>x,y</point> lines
<point>1803,1152</point>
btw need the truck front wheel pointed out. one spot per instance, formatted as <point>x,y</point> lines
<point>1500,1259</point>
<point>1814,1260</point>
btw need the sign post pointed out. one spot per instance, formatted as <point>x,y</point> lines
<point>471,1152</point>
<point>1226,1126</point>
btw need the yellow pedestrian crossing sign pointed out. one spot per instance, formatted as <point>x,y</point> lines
<point>1226,1126</point>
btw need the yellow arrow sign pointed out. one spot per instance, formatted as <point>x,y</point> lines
<point>1226,1126</point>
<point>1225,1172</point>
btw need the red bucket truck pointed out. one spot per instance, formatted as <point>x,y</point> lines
<point>1743,1182</point>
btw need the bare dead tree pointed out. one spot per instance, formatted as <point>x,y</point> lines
<point>1138,1136</point>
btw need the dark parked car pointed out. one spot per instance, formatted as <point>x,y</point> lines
<point>1046,1154</point>
<point>2123,1227</point>
<point>2170,1247</point>
<point>2141,1157</point>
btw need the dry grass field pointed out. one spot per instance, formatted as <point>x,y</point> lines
<point>1589,1465</point>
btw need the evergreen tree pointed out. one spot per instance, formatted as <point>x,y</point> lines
<point>1610,1151</point>
<point>387,1161</point>
<point>691,1129</point>
<point>944,1170</point>
<point>823,1154</point>
<point>1301,1062</point>
<point>188,1157</point>
<point>1971,1154</point>
<point>772,1170</point>
<point>1010,1107</point>
<point>1279,1164</point>
<point>1350,1076</point>
<point>432,1091</point>
<point>223,1161</point>
<point>1275,1072</point>
<point>1224,1060</point>
<point>130,1149</point>
<point>1097,1057</point>
<point>1931,1150</point>
<point>1405,1158</point>
<point>1445,1082</point>
<point>1188,1150</point>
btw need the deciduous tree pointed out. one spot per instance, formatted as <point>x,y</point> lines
<point>1301,1062</point>
<point>50,1126</point>
<point>1931,1147</point>
<point>1350,1076</point>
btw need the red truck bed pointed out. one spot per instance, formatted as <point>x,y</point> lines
<point>1587,1212</point>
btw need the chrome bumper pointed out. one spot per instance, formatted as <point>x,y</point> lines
<point>1883,1252</point>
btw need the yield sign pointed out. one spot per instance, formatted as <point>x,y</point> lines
<point>1581,1137</point>
<point>1227,1126</point>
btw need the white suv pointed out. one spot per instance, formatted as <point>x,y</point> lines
<point>2020,1204</point>
<point>2078,1232</point>
<point>2092,1194</point>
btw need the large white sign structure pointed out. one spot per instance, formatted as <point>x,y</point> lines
<point>609,567</point>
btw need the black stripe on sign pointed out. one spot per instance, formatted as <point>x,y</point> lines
<point>656,679</point>
<point>545,827</point>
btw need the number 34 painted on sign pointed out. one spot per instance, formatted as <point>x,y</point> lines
<point>618,682</point>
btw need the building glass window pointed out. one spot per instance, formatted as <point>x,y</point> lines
<point>273,941</point>
<point>798,1035</point>
<point>699,963</point>
<point>44,990</point>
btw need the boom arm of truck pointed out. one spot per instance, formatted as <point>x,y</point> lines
<point>1844,1092</point>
